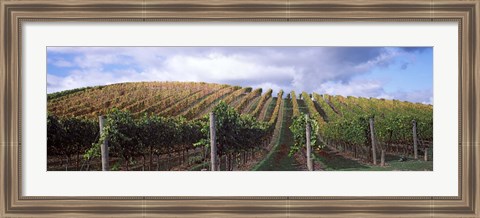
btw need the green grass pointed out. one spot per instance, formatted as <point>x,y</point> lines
<point>270,109</point>
<point>302,107</point>
<point>334,162</point>
<point>201,166</point>
<point>337,162</point>
<point>268,159</point>
<point>278,159</point>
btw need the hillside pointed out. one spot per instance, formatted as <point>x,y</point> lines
<point>344,124</point>
<point>188,99</point>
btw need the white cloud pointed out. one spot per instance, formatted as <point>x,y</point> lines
<point>214,67</point>
<point>97,61</point>
<point>385,96</point>
<point>353,88</point>
<point>92,77</point>
<point>218,68</point>
<point>374,88</point>
<point>275,88</point>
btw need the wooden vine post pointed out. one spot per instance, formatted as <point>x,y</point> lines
<point>309,147</point>
<point>372,135</point>
<point>213,146</point>
<point>104,146</point>
<point>382,157</point>
<point>415,140</point>
<point>425,156</point>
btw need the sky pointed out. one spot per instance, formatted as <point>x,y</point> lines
<point>404,73</point>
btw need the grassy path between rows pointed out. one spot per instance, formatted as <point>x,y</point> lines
<point>278,159</point>
<point>332,160</point>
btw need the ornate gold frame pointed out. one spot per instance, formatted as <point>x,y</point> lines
<point>14,12</point>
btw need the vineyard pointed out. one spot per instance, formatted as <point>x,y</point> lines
<point>162,126</point>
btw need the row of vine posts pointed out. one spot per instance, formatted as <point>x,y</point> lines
<point>373,142</point>
<point>214,165</point>
<point>213,151</point>
<point>382,151</point>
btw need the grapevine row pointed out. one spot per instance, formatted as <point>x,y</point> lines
<point>296,110</point>
<point>197,108</point>
<point>261,103</point>
<point>278,106</point>
<point>247,99</point>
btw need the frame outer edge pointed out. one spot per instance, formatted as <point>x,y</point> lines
<point>2,78</point>
<point>8,89</point>
<point>3,162</point>
<point>476,111</point>
<point>2,74</point>
<point>470,86</point>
